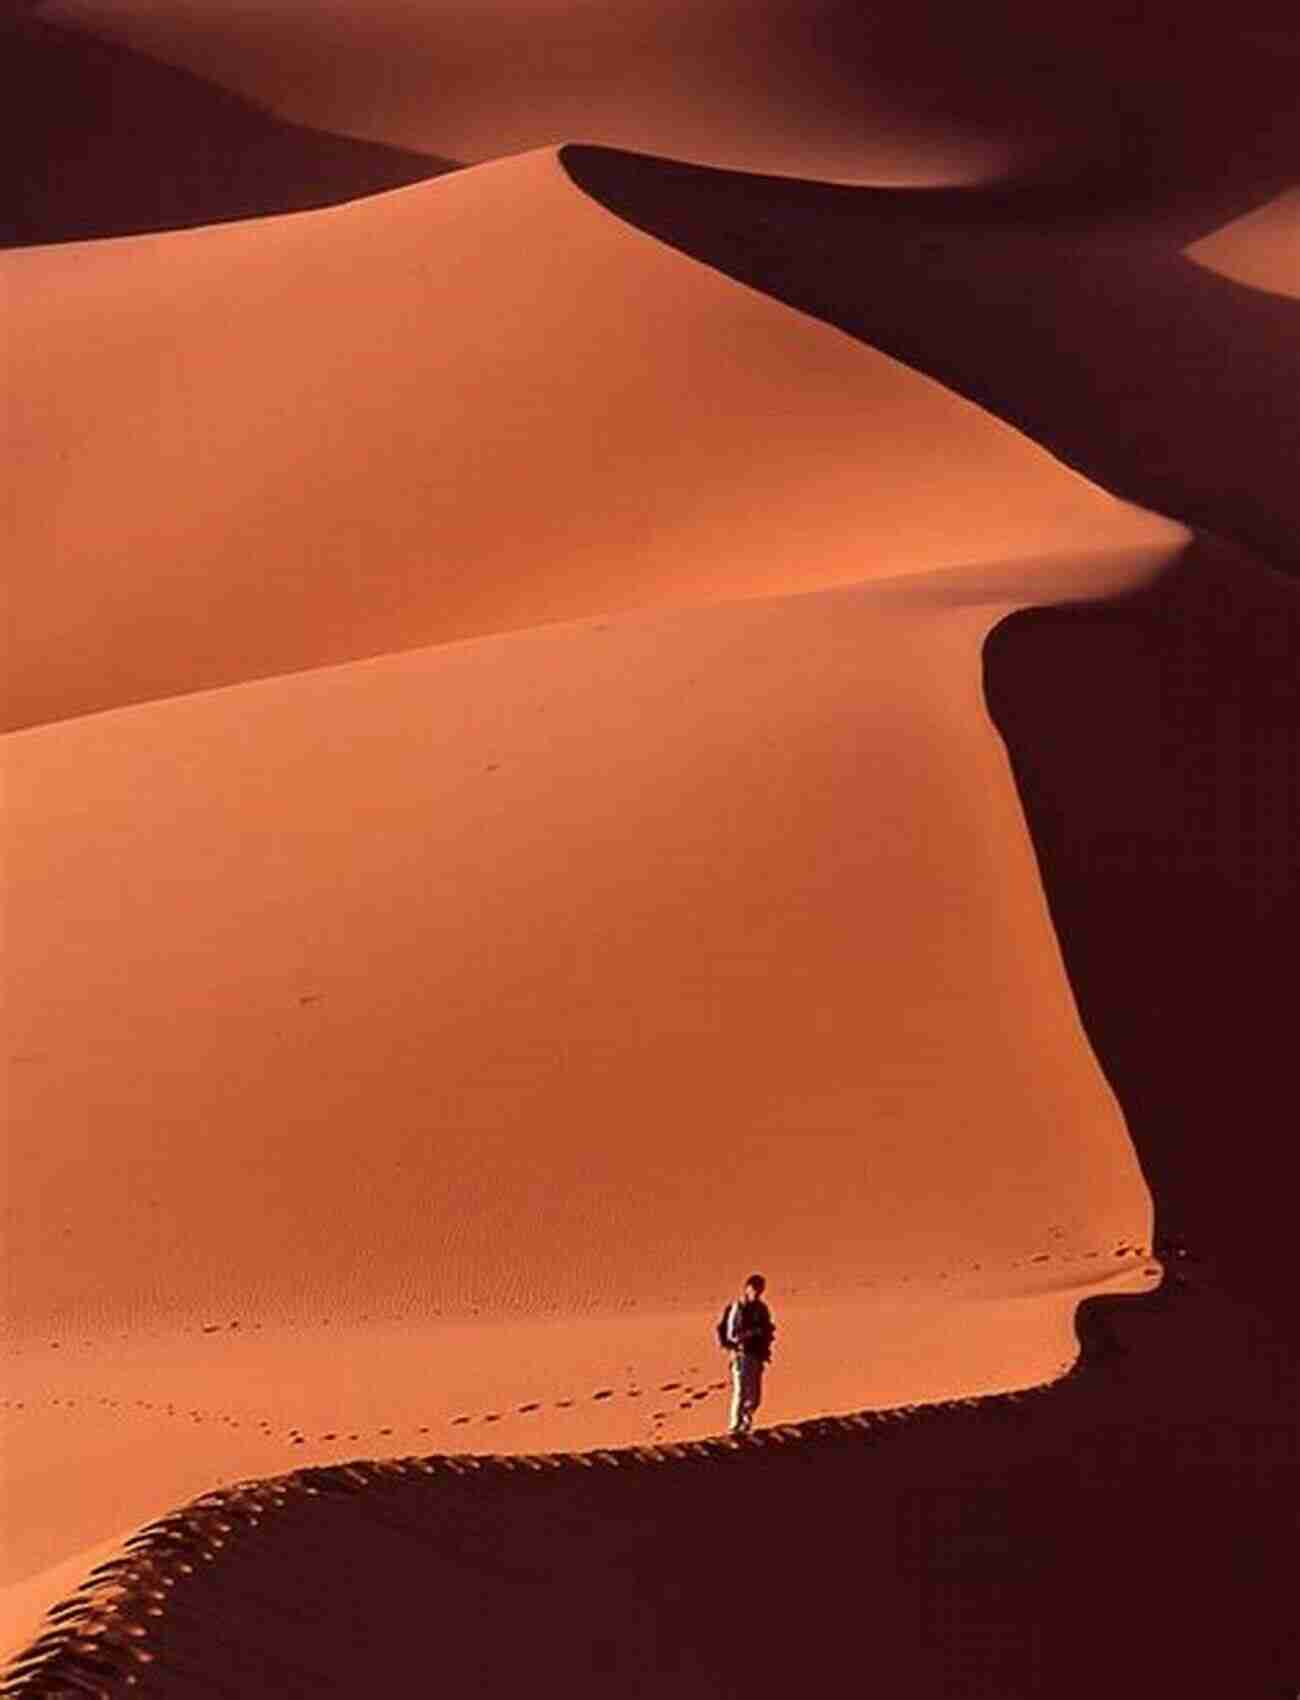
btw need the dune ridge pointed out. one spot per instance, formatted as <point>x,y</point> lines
<point>273,445</point>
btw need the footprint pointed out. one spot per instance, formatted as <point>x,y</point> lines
<point>669,1386</point>
<point>492,1417</point>
<point>329,1437</point>
<point>1043,1257</point>
<point>564,1404</point>
<point>535,1406</point>
<point>604,1393</point>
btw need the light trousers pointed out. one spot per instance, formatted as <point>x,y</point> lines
<point>746,1390</point>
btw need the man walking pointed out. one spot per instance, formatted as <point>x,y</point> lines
<point>745,1329</point>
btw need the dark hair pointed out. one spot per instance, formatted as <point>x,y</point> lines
<point>756,1282</point>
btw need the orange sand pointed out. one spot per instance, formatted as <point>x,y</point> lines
<point>1262,248</point>
<point>475,404</point>
<point>461,1023</point>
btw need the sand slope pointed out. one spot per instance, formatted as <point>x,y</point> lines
<point>1261,248</point>
<point>407,1010</point>
<point>551,974</point>
<point>470,405</point>
<point>758,84</point>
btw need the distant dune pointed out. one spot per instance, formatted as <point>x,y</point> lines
<point>898,92</point>
<point>115,143</point>
<point>905,94</point>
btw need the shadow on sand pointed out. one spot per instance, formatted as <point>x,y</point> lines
<point>109,142</point>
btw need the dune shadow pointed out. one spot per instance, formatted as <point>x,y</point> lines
<point>1155,742</point>
<point>109,142</point>
<point>1067,316</point>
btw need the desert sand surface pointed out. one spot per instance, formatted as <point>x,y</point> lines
<point>571,921</point>
<point>1261,248</point>
<point>298,441</point>
<point>593,963</point>
<point>428,988</point>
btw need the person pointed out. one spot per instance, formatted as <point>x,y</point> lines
<point>745,1329</point>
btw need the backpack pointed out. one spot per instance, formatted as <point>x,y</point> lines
<point>723,1341</point>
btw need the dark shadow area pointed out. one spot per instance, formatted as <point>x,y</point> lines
<point>104,141</point>
<point>1155,741</point>
<point>1080,325</point>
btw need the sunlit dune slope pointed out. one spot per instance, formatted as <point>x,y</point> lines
<point>476,404</point>
<point>486,972</point>
<point>516,994</point>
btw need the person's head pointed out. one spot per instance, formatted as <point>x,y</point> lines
<point>754,1286</point>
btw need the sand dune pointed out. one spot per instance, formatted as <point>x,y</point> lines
<point>898,92</point>
<point>1079,320</point>
<point>588,928</point>
<point>265,446</point>
<point>763,86</point>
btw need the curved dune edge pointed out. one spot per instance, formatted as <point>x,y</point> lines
<point>474,405</point>
<point>101,1631</point>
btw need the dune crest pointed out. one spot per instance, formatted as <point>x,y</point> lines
<point>763,85</point>
<point>477,404</point>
